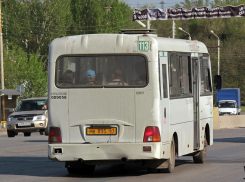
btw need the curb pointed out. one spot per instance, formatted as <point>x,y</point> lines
<point>3,131</point>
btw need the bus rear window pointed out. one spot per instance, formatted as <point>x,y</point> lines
<point>101,71</point>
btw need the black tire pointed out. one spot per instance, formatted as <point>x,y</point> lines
<point>10,133</point>
<point>26,134</point>
<point>200,157</point>
<point>46,131</point>
<point>171,160</point>
<point>41,132</point>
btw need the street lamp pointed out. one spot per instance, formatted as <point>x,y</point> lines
<point>218,48</point>
<point>185,32</point>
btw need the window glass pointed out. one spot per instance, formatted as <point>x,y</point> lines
<point>30,105</point>
<point>227,105</point>
<point>185,75</point>
<point>164,81</point>
<point>101,71</point>
<point>205,74</point>
<point>180,75</point>
<point>174,75</point>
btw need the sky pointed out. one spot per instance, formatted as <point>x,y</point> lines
<point>137,3</point>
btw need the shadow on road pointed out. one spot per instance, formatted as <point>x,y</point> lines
<point>231,140</point>
<point>46,141</point>
<point>180,162</point>
<point>42,166</point>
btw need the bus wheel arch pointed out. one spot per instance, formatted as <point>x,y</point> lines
<point>175,136</point>
<point>200,157</point>
<point>207,132</point>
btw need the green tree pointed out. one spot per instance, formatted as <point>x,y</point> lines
<point>99,16</point>
<point>33,24</point>
<point>23,71</point>
<point>231,32</point>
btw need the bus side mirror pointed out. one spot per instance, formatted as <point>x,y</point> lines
<point>218,82</point>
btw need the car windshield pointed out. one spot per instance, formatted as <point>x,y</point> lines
<point>227,105</point>
<point>30,105</point>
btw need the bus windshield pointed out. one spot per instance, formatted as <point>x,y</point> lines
<point>101,71</point>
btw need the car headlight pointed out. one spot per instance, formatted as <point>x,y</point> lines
<point>35,118</point>
<point>11,119</point>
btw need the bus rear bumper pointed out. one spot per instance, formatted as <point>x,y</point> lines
<point>103,151</point>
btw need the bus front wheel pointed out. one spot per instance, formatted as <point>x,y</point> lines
<point>200,157</point>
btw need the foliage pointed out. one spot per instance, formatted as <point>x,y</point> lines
<point>98,16</point>
<point>25,71</point>
<point>29,26</point>
<point>34,24</point>
<point>231,32</point>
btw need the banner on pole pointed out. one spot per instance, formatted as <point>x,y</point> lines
<point>192,13</point>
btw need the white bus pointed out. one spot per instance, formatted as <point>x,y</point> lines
<point>115,98</point>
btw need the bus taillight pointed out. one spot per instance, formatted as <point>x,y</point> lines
<point>152,134</point>
<point>54,135</point>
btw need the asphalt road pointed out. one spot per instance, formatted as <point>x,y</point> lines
<point>25,159</point>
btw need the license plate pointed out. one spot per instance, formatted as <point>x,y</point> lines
<point>101,131</point>
<point>226,114</point>
<point>24,124</point>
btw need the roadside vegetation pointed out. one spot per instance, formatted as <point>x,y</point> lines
<point>30,26</point>
<point>243,109</point>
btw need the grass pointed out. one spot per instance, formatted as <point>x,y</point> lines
<point>242,108</point>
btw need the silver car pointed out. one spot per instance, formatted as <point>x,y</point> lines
<point>31,115</point>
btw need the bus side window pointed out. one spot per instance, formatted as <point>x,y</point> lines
<point>164,81</point>
<point>180,75</point>
<point>185,74</point>
<point>205,75</point>
<point>174,82</point>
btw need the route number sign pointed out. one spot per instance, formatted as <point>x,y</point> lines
<point>144,45</point>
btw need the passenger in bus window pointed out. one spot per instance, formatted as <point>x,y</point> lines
<point>117,76</point>
<point>91,77</point>
<point>68,78</point>
<point>100,79</point>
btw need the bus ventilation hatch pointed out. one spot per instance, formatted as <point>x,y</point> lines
<point>137,31</point>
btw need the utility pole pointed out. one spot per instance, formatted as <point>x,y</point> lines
<point>1,47</point>
<point>173,30</point>
<point>218,50</point>
<point>108,10</point>
<point>162,4</point>
<point>3,118</point>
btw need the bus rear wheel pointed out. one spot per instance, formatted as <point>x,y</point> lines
<point>200,157</point>
<point>171,160</point>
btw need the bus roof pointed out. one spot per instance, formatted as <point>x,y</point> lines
<point>120,43</point>
<point>180,45</point>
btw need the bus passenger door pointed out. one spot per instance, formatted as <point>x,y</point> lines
<point>195,68</point>
<point>164,96</point>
